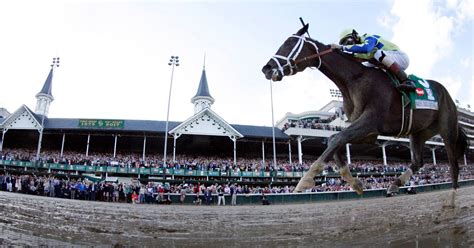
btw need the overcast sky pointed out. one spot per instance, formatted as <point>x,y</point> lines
<point>114,54</point>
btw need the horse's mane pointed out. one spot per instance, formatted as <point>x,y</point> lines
<point>345,56</point>
<point>344,70</point>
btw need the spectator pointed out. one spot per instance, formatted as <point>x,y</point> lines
<point>233,195</point>
<point>208,196</point>
<point>220,196</point>
<point>182,195</point>
<point>265,199</point>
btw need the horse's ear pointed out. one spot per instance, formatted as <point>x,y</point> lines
<point>354,33</point>
<point>303,30</point>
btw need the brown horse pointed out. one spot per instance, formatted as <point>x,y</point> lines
<point>372,105</point>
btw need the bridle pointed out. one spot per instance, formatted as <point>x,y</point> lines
<point>291,59</point>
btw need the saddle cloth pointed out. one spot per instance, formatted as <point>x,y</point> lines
<point>424,96</point>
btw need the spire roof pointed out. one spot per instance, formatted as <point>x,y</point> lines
<point>47,87</point>
<point>203,89</point>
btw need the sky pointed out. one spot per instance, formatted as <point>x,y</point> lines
<point>114,54</point>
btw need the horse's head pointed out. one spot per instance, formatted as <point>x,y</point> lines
<point>283,63</point>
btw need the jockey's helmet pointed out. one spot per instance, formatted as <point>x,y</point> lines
<point>348,36</point>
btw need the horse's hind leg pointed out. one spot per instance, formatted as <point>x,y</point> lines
<point>417,142</point>
<point>450,137</point>
<point>450,145</point>
<point>355,183</point>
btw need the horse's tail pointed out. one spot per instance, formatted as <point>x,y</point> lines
<point>462,143</point>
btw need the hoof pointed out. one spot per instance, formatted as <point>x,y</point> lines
<point>304,184</point>
<point>357,187</point>
<point>393,189</point>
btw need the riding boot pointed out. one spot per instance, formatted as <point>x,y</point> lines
<point>405,83</point>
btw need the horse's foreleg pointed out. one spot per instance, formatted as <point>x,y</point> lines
<point>360,129</point>
<point>355,183</point>
<point>307,181</point>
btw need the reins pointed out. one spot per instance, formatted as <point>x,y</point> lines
<point>313,56</point>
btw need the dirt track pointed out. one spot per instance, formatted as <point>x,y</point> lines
<point>402,221</point>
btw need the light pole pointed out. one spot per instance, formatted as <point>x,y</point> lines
<point>174,61</point>
<point>38,151</point>
<point>336,93</point>
<point>275,168</point>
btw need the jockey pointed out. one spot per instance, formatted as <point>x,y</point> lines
<point>369,47</point>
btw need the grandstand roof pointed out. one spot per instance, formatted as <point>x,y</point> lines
<point>4,114</point>
<point>206,122</point>
<point>129,125</point>
<point>260,131</point>
<point>22,118</point>
<point>159,126</point>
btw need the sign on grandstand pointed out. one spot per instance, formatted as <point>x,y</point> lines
<point>88,123</point>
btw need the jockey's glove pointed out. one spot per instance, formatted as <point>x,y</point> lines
<point>336,46</point>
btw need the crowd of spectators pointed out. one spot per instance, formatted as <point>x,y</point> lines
<point>189,162</point>
<point>465,119</point>
<point>316,122</point>
<point>137,192</point>
<point>186,162</point>
<point>312,124</point>
<point>134,191</point>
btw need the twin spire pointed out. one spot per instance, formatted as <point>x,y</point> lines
<point>45,96</point>
<point>203,98</point>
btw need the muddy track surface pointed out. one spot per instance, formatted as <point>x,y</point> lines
<point>423,220</point>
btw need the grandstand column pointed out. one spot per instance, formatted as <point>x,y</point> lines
<point>465,159</point>
<point>87,146</point>
<point>235,148</point>
<point>384,154</point>
<point>300,152</point>
<point>348,153</point>
<point>115,145</point>
<point>62,144</point>
<point>144,148</point>
<point>289,150</point>
<point>176,136</point>
<point>263,152</point>
<point>3,137</point>
<point>434,155</point>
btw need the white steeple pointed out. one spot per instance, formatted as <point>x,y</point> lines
<point>203,98</point>
<point>45,96</point>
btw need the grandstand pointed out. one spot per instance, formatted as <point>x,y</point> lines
<point>242,151</point>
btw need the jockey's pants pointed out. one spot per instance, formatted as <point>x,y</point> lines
<point>387,58</point>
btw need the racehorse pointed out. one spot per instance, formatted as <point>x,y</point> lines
<point>373,107</point>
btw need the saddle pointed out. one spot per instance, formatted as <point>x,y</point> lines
<point>422,98</point>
